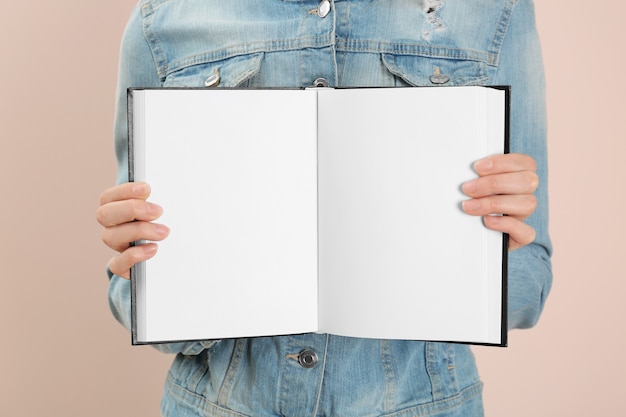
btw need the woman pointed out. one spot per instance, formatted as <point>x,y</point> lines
<point>283,43</point>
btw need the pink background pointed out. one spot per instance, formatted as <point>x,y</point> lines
<point>62,352</point>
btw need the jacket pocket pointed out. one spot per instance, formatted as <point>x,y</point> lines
<point>419,71</point>
<point>238,71</point>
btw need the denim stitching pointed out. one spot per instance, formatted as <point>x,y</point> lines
<point>233,367</point>
<point>501,28</point>
<point>390,377</point>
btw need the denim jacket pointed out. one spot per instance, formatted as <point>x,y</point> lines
<point>292,43</point>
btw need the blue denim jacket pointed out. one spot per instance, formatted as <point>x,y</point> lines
<point>291,43</point>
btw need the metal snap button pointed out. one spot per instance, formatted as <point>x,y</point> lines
<point>321,82</point>
<point>323,9</point>
<point>438,77</point>
<point>214,79</point>
<point>307,358</point>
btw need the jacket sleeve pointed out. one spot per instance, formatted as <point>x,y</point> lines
<point>521,66</point>
<point>136,69</point>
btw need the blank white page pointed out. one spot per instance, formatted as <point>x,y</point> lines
<point>235,171</point>
<point>398,257</point>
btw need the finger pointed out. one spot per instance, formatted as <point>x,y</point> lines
<point>126,191</point>
<point>118,237</point>
<point>522,182</point>
<point>520,206</point>
<point>119,212</point>
<point>520,233</point>
<point>510,162</point>
<point>120,264</point>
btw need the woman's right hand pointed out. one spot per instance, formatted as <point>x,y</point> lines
<point>127,217</point>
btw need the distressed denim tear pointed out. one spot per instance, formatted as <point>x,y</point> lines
<point>430,8</point>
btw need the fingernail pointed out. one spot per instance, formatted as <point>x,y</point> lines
<point>470,205</point>
<point>483,165</point>
<point>149,249</point>
<point>154,209</point>
<point>140,188</point>
<point>470,187</point>
<point>162,230</point>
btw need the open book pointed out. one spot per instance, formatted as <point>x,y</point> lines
<point>318,210</point>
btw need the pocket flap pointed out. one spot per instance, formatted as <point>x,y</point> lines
<point>424,71</point>
<point>231,72</point>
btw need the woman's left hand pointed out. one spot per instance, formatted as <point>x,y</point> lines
<point>505,185</point>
